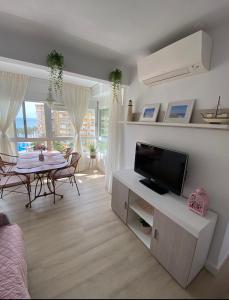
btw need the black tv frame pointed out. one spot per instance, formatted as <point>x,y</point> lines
<point>156,186</point>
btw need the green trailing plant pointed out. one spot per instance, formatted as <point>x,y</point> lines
<point>143,222</point>
<point>116,79</point>
<point>92,148</point>
<point>55,62</point>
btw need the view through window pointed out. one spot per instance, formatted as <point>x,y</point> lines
<point>88,130</point>
<point>36,123</point>
<point>103,129</point>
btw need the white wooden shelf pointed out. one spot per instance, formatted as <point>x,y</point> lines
<point>188,125</point>
<point>173,206</point>
<point>142,213</point>
<point>145,238</point>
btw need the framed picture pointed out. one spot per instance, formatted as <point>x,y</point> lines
<point>179,112</point>
<point>150,112</point>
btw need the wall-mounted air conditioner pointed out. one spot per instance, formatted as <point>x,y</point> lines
<point>190,55</point>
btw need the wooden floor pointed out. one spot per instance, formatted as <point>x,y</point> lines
<point>79,248</point>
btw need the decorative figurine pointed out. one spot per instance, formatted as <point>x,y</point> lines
<point>218,116</point>
<point>198,201</point>
<point>130,111</point>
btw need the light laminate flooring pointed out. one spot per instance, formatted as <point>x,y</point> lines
<point>79,248</point>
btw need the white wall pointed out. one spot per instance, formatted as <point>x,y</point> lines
<point>208,149</point>
<point>37,89</point>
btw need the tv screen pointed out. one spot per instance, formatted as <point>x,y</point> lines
<point>163,169</point>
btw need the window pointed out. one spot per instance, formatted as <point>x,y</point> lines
<point>19,124</point>
<point>88,128</point>
<point>30,124</point>
<point>30,120</point>
<point>61,145</point>
<point>103,122</point>
<point>35,119</point>
<point>62,125</point>
<point>37,123</point>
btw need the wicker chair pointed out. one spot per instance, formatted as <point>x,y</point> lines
<point>8,161</point>
<point>9,179</point>
<point>66,172</point>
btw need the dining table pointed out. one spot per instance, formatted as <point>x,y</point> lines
<point>29,163</point>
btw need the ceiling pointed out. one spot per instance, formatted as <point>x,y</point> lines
<point>119,29</point>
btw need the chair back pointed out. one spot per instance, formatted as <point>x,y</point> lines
<point>75,159</point>
<point>68,153</point>
<point>7,162</point>
<point>2,165</point>
<point>8,159</point>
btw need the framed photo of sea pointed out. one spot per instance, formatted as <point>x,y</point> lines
<point>150,112</point>
<point>179,111</point>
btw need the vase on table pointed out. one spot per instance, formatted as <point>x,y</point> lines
<point>41,156</point>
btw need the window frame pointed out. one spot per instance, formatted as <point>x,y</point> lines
<point>49,137</point>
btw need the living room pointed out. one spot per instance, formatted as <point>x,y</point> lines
<point>114,118</point>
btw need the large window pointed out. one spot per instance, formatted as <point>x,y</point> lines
<point>37,123</point>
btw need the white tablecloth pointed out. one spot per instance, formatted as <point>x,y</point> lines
<point>30,163</point>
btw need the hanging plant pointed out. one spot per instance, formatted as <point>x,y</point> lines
<point>116,78</point>
<point>55,62</point>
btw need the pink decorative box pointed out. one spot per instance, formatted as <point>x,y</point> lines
<point>198,201</point>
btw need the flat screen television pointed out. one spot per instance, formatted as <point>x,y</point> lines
<point>164,170</point>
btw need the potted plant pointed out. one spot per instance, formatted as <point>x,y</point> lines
<point>92,150</point>
<point>55,62</point>
<point>116,78</point>
<point>146,228</point>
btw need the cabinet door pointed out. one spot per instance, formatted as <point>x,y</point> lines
<point>173,247</point>
<point>119,202</point>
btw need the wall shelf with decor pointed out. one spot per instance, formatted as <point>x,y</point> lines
<point>189,125</point>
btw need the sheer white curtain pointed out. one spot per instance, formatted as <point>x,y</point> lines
<point>114,139</point>
<point>76,100</point>
<point>12,92</point>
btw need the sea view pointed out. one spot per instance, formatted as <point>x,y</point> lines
<point>31,123</point>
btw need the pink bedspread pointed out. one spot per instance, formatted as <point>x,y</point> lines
<point>13,267</point>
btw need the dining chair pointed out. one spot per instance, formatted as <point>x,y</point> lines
<point>65,172</point>
<point>9,179</point>
<point>8,161</point>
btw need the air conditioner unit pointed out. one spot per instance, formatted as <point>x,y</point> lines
<point>190,55</point>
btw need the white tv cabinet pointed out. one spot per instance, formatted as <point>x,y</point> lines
<point>180,239</point>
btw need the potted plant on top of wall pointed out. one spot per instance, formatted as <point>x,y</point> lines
<point>116,78</point>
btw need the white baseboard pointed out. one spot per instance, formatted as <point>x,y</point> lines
<point>214,269</point>
<point>221,263</point>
